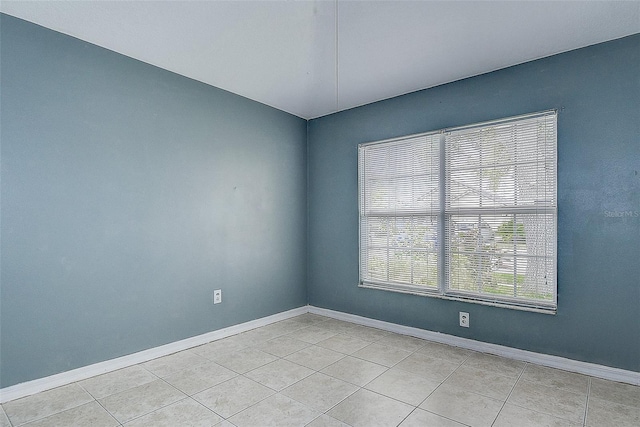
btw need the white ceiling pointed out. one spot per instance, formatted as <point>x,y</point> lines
<point>312,58</point>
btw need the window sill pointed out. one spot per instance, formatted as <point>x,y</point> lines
<point>433,293</point>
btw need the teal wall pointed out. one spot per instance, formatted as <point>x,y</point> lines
<point>128,195</point>
<point>597,93</point>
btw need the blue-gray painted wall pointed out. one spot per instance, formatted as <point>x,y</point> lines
<point>129,194</point>
<point>597,93</point>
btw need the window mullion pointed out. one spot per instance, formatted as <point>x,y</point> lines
<point>442,245</point>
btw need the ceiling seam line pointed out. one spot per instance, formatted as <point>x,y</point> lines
<point>337,60</point>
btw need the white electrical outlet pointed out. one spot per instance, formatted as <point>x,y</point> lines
<point>464,319</point>
<point>217,296</point>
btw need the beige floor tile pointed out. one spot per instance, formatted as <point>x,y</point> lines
<point>233,396</point>
<point>282,346</point>
<point>382,354</point>
<point>276,411</point>
<point>47,403</point>
<point>549,400</point>
<point>315,357</point>
<point>602,413</point>
<point>200,377</point>
<point>367,334</point>
<point>320,392</point>
<point>344,343</point>
<point>404,342</point>
<point>339,326</point>
<point>312,334</point>
<point>167,365</point>
<point>218,348</point>
<point>496,364</point>
<point>428,367</point>
<point>4,421</point>
<point>245,360</point>
<point>141,400</point>
<point>326,421</point>
<point>512,415</point>
<point>444,351</point>
<point>368,409</point>
<point>89,414</point>
<point>256,336</point>
<point>185,413</point>
<point>462,406</point>
<point>556,378</point>
<point>309,319</point>
<point>612,391</point>
<point>279,374</point>
<point>421,418</point>
<point>403,386</point>
<point>117,381</point>
<point>482,382</point>
<point>354,371</point>
<point>284,327</point>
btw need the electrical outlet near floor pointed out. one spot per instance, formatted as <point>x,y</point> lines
<point>217,296</point>
<point>464,319</point>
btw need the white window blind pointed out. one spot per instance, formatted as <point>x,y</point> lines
<point>487,191</point>
<point>400,205</point>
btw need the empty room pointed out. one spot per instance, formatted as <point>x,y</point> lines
<point>319,213</point>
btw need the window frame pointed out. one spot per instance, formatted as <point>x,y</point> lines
<point>443,215</point>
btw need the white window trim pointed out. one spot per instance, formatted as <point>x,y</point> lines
<point>442,291</point>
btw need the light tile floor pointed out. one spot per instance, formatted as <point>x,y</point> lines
<point>315,371</point>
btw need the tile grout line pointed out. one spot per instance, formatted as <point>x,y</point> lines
<point>321,373</point>
<point>435,389</point>
<point>107,411</point>
<point>275,391</point>
<point>416,407</point>
<point>317,410</point>
<point>359,387</point>
<point>411,352</point>
<point>98,402</point>
<point>250,406</point>
<point>344,355</point>
<point>524,368</point>
<point>445,379</point>
<point>54,413</point>
<point>586,406</point>
<point>542,411</point>
<point>157,409</point>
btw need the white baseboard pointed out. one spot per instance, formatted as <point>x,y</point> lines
<point>42,384</point>
<point>592,369</point>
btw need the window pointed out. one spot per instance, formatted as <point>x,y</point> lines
<point>466,213</point>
